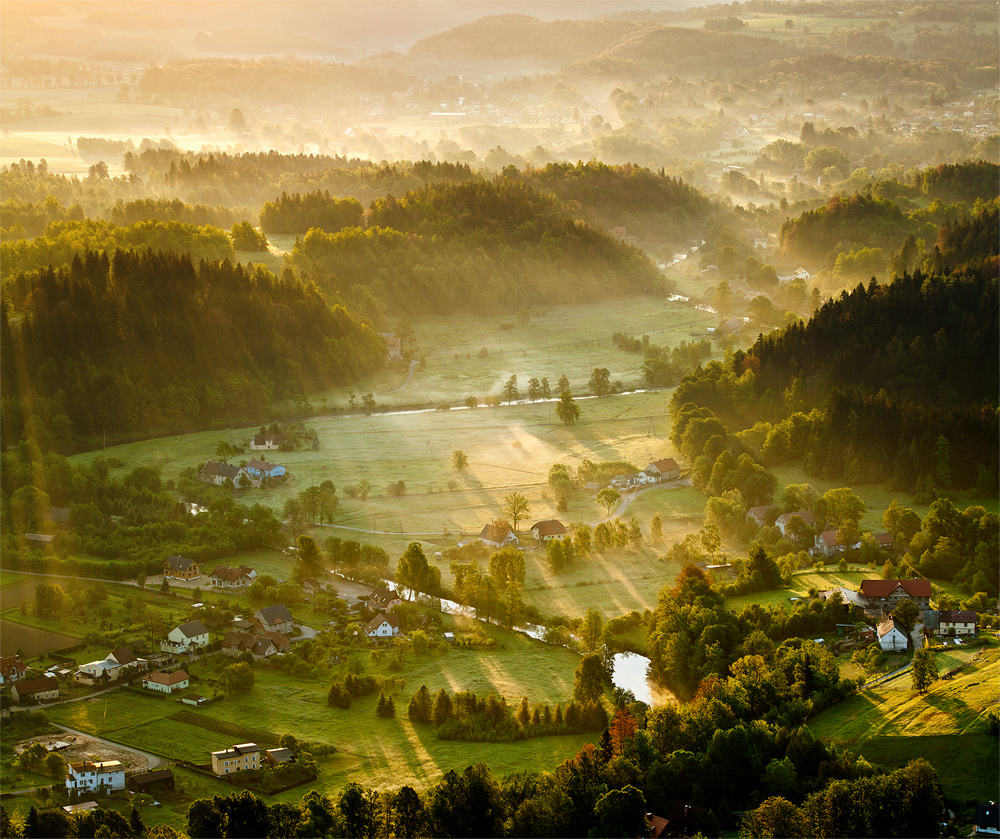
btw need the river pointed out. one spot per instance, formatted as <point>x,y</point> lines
<point>631,669</point>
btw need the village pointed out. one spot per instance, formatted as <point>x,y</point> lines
<point>219,636</point>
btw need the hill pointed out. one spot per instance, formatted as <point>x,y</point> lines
<point>147,342</point>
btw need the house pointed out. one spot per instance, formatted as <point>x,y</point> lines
<point>237,643</point>
<point>383,626</point>
<point>383,599</point>
<point>260,469</point>
<point>496,536</point>
<point>185,638</point>
<point>35,690</point>
<point>216,472</point>
<point>159,779</point>
<point>733,326</point>
<point>892,635</point>
<point>826,544</point>
<point>682,820</point>
<point>236,759</point>
<point>161,682</point>
<point>279,639</point>
<point>956,623</point>
<point>546,531</point>
<point>885,594</point>
<point>267,441</point>
<point>883,540</point>
<point>275,757</point>
<point>987,819</point>
<point>181,568</point>
<point>195,699</point>
<point>12,668</point>
<point>89,775</point>
<point>761,516</point>
<point>394,346</point>
<point>781,522</point>
<point>275,618</point>
<point>664,470</point>
<point>852,598</point>
<point>224,577</point>
<point>117,664</point>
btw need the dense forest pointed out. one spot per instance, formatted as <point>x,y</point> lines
<point>481,246</point>
<point>147,341</point>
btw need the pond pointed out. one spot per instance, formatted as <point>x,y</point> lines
<point>632,673</point>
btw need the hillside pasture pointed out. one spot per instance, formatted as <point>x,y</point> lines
<point>892,724</point>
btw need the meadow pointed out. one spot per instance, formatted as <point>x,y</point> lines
<point>374,751</point>
<point>892,724</point>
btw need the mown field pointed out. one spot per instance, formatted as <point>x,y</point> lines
<point>892,724</point>
<point>371,750</point>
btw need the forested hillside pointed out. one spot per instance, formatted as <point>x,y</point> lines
<point>481,246</point>
<point>150,341</point>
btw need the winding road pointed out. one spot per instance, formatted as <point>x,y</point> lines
<point>406,381</point>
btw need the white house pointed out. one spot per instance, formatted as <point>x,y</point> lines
<point>664,470</point>
<point>166,682</point>
<point>498,537</point>
<point>892,635</point>
<point>225,577</point>
<point>185,638</point>
<point>546,531</point>
<point>89,776</point>
<point>117,664</point>
<point>383,626</point>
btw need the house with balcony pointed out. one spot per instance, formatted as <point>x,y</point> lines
<point>95,776</point>
<point>188,637</point>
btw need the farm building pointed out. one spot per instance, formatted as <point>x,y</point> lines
<point>892,635</point>
<point>885,594</point>
<point>35,690</point>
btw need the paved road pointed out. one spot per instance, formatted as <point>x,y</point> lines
<point>153,760</point>
<point>409,375</point>
<point>629,496</point>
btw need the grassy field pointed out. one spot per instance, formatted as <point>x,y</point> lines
<point>383,753</point>
<point>893,724</point>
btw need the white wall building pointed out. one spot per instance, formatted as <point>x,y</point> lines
<point>95,775</point>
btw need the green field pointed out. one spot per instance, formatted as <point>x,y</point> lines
<point>382,753</point>
<point>892,724</point>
